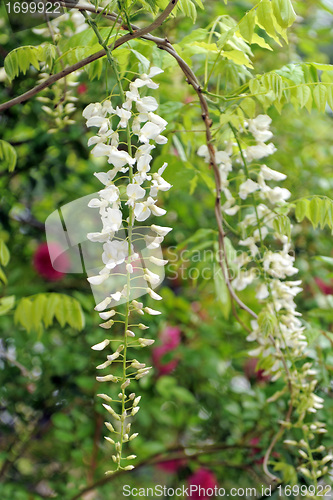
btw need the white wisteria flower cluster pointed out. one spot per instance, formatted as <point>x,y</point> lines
<point>268,264</point>
<point>128,197</point>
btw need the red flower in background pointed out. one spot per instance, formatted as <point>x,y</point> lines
<point>82,88</point>
<point>43,265</point>
<point>202,478</point>
<point>251,372</point>
<point>172,466</point>
<point>324,287</point>
<point>170,339</point>
<point>255,442</point>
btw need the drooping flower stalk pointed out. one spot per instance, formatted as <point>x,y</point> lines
<point>262,211</point>
<point>120,206</point>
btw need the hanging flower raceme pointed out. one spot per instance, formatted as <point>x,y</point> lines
<point>267,262</point>
<point>131,254</point>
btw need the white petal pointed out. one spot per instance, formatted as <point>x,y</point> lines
<point>103,305</point>
<point>97,280</point>
<point>107,315</point>
<point>153,312</point>
<point>158,262</point>
<point>153,294</point>
<point>161,231</point>
<point>154,70</point>
<point>101,345</point>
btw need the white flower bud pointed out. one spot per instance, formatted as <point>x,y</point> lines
<point>112,357</point>
<point>107,378</point>
<point>129,268</point>
<point>158,262</point>
<point>109,439</point>
<point>111,411</point>
<point>129,467</point>
<point>153,294</point>
<point>105,397</point>
<point>136,401</point>
<point>104,365</point>
<point>143,327</point>
<point>153,278</point>
<point>101,345</point>
<point>107,325</point>
<point>125,384</point>
<point>137,365</point>
<point>161,231</point>
<point>133,436</point>
<point>107,315</point>
<point>135,410</point>
<point>109,426</point>
<point>152,312</point>
<point>145,342</point>
<point>103,305</point>
<point>129,333</point>
<point>142,374</point>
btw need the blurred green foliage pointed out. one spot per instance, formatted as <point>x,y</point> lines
<point>214,404</point>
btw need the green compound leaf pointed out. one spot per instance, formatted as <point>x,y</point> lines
<point>19,60</point>
<point>319,211</point>
<point>39,311</point>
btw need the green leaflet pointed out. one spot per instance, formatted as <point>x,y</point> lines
<point>8,156</point>
<point>265,19</point>
<point>39,311</point>
<point>198,35</point>
<point>281,225</point>
<point>6,304</point>
<point>237,57</point>
<point>284,12</point>
<point>188,8</point>
<point>145,63</point>
<point>303,95</point>
<point>4,254</point>
<point>320,96</point>
<point>267,323</point>
<point>247,26</point>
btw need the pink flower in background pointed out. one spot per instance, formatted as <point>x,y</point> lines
<point>82,88</point>
<point>203,478</point>
<point>170,339</point>
<point>326,288</point>
<point>251,372</point>
<point>42,262</point>
<point>172,466</point>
